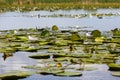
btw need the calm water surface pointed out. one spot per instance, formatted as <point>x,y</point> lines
<point>15,62</point>
<point>16,20</point>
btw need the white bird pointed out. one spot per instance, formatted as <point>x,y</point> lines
<point>32,38</point>
<point>90,15</point>
<point>88,34</point>
<point>15,32</point>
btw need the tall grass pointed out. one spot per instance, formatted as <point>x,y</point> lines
<point>64,1</point>
<point>58,4</point>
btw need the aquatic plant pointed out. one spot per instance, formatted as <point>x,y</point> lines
<point>75,36</point>
<point>13,6</point>
<point>99,39</point>
<point>69,73</point>
<point>112,47</point>
<point>58,1</point>
<point>45,33</point>
<point>114,67</point>
<point>96,33</point>
<point>54,28</point>
<point>40,56</point>
<point>14,75</point>
<point>86,49</point>
<point>116,73</point>
<point>57,52</point>
<point>116,32</point>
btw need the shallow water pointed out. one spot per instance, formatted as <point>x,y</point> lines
<point>20,59</point>
<point>101,74</point>
<point>17,20</point>
<point>15,62</point>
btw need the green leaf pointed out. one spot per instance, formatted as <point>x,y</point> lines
<point>96,33</point>
<point>75,37</point>
<point>54,28</point>
<point>45,33</point>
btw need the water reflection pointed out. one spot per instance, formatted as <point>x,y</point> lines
<point>6,55</point>
<point>15,62</point>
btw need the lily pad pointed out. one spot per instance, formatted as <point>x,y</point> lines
<point>30,49</point>
<point>54,28</point>
<point>14,75</point>
<point>15,45</point>
<point>55,51</point>
<point>7,49</point>
<point>114,67</point>
<point>40,56</point>
<point>31,67</point>
<point>64,59</point>
<point>117,73</point>
<point>43,43</point>
<point>69,73</point>
<point>45,33</point>
<point>22,38</point>
<point>61,42</point>
<point>51,70</point>
<point>77,55</point>
<point>59,55</point>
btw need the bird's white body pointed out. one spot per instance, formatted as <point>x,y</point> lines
<point>32,38</point>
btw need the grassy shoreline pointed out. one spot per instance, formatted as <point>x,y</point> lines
<point>57,6</point>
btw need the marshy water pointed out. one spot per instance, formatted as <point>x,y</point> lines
<point>109,19</point>
<point>21,59</point>
<point>65,19</point>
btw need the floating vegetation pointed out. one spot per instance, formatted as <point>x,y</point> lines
<point>69,73</point>
<point>75,36</point>
<point>53,70</point>
<point>61,50</point>
<point>114,67</point>
<point>54,28</point>
<point>40,56</point>
<point>45,33</point>
<point>96,33</point>
<point>14,75</point>
<point>115,73</point>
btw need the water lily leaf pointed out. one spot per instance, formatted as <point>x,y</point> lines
<point>114,67</point>
<point>29,49</point>
<point>96,33</point>
<point>75,37</point>
<point>54,28</point>
<point>69,73</point>
<point>116,73</point>
<point>50,71</point>
<point>45,33</point>
<point>14,75</point>
<point>40,56</point>
<point>22,38</point>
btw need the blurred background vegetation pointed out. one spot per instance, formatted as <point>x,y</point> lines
<point>55,1</point>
